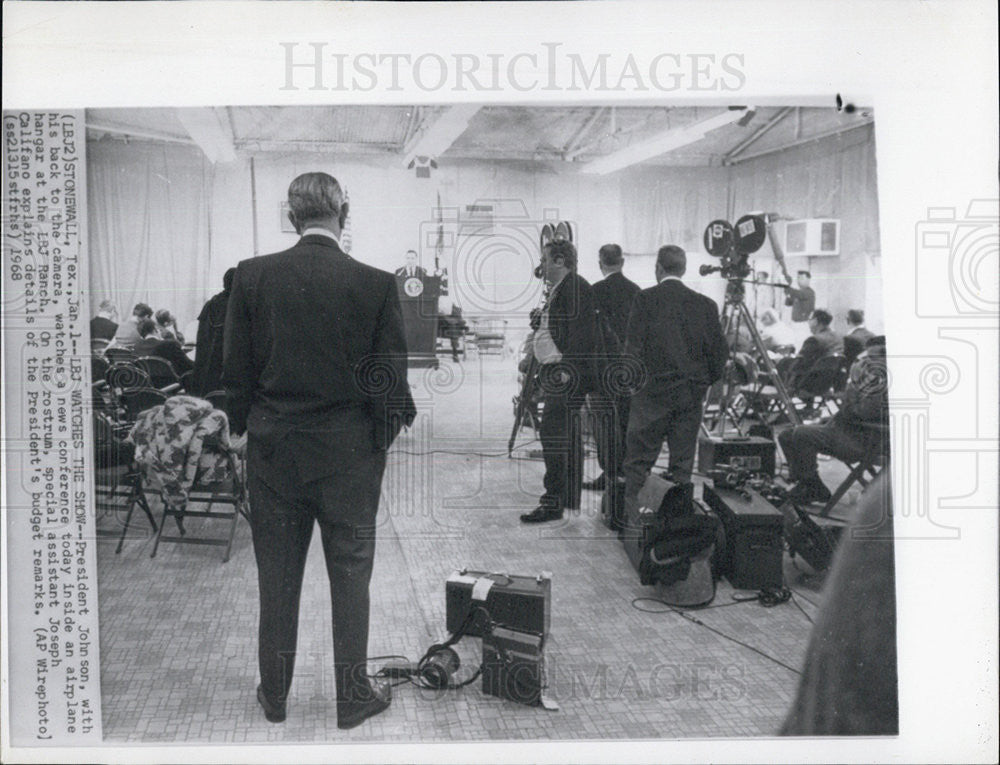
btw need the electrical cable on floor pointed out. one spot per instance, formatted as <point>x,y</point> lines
<point>795,602</point>
<point>721,634</point>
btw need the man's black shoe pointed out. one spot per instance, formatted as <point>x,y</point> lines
<point>352,714</point>
<point>597,484</point>
<point>273,712</point>
<point>808,491</point>
<point>542,515</point>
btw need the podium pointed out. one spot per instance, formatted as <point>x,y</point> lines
<point>418,300</point>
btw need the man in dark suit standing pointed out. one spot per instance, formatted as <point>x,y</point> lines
<point>613,297</point>
<point>315,372</point>
<point>674,333</point>
<point>207,375</point>
<point>411,268</point>
<point>563,345</point>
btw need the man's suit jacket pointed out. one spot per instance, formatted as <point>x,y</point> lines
<point>165,349</point>
<point>418,272</point>
<point>614,295</point>
<point>572,326</point>
<point>310,333</point>
<point>209,346</point>
<point>675,333</point>
<point>826,342</point>
<point>102,328</point>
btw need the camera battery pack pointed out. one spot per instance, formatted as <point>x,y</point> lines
<point>750,453</point>
<point>513,601</point>
<point>513,666</point>
<point>754,543</point>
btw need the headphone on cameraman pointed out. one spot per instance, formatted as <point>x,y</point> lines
<point>560,232</point>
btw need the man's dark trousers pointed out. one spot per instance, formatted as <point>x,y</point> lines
<point>801,444</point>
<point>609,417</point>
<point>561,434</point>
<point>673,414</point>
<point>283,511</point>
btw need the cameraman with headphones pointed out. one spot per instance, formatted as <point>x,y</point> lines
<point>563,345</point>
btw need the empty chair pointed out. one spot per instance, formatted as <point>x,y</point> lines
<point>117,479</point>
<point>161,373</point>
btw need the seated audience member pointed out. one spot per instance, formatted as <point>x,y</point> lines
<point>857,334</point>
<point>211,333</point>
<point>105,324</point>
<point>822,342</point>
<point>166,326</point>
<point>857,426</point>
<point>774,332</point>
<point>150,344</point>
<point>128,331</point>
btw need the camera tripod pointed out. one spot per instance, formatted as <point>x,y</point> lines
<point>734,315</point>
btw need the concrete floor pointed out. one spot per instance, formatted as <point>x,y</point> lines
<point>178,632</point>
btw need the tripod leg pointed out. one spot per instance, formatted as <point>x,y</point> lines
<point>779,385</point>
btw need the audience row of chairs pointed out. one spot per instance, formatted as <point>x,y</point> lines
<point>124,388</point>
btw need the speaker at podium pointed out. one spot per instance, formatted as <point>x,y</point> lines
<point>418,300</point>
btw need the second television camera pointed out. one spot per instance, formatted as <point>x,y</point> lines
<point>733,246</point>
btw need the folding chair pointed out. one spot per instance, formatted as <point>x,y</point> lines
<point>229,491</point>
<point>118,354</point>
<point>216,398</point>
<point>117,479</point>
<point>161,373</point>
<point>865,470</point>
<point>138,400</point>
<point>821,381</point>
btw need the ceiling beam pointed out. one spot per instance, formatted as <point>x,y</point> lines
<point>745,144</point>
<point>818,137</point>
<point>574,142</point>
<point>210,129</point>
<point>664,142</point>
<point>437,133</point>
<point>134,132</point>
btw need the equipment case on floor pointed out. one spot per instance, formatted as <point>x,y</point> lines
<point>750,453</point>
<point>754,543</point>
<point>517,602</point>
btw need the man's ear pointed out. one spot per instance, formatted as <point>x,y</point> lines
<point>342,219</point>
<point>294,222</point>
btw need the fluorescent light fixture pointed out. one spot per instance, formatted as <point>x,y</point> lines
<point>663,142</point>
<point>434,138</point>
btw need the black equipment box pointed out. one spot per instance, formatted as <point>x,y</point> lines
<point>754,542</point>
<point>750,453</point>
<point>517,602</point>
<point>513,665</point>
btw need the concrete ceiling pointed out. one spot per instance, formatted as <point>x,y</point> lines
<point>563,136</point>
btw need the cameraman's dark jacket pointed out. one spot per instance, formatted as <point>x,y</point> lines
<point>572,327</point>
<point>674,333</point>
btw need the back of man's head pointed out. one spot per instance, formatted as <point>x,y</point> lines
<point>315,197</point>
<point>107,307</point>
<point>146,327</point>
<point>672,260</point>
<point>611,256</point>
<point>142,311</point>
<point>164,317</point>
<point>563,251</point>
<point>227,279</point>
<point>823,318</point>
<point>855,317</point>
